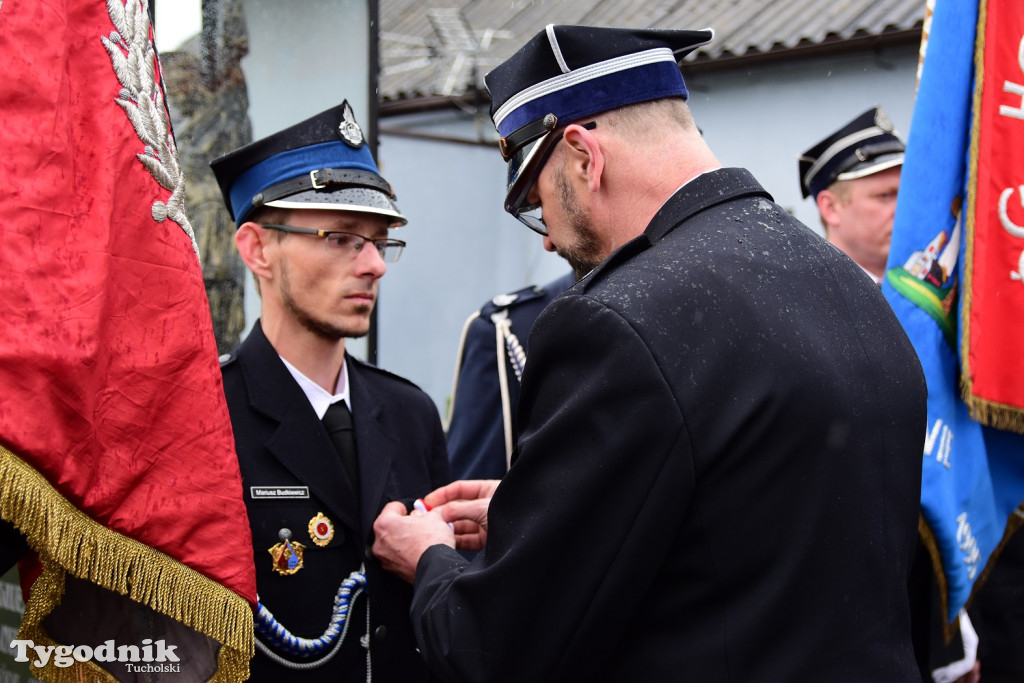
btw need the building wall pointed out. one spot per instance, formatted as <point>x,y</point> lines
<point>463,248</point>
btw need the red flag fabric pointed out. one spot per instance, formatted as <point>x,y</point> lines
<point>116,453</point>
<point>994,266</point>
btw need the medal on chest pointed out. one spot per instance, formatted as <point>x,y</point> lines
<point>321,529</point>
<point>286,555</point>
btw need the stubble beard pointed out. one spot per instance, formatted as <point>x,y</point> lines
<point>585,254</point>
<point>319,327</point>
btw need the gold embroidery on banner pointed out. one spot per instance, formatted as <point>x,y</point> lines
<point>134,60</point>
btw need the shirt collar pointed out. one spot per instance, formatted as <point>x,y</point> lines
<point>877,280</point>
<point>318,397</point>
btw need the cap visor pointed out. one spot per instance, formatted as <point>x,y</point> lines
<point>522,171</point>
<point>876,165</point>
<point>360,199</point>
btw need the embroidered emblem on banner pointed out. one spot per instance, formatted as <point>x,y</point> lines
<point>924,278</point>
<point>278,492</point>
<point>133,57</point>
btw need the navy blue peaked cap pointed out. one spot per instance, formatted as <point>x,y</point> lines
<point>320,163</point>
<point>866,145</point>
<point>566,73</point>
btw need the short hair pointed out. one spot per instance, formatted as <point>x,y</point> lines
<point>638,117</point>
<point>271,214</point>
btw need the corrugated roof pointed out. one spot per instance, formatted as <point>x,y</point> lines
<point>441,47</point>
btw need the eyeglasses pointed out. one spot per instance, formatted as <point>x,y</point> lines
<point>347,244</point>
<point>530,214</point>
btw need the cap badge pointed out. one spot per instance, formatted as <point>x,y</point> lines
<point>321,529</point>
<point>882,120</point>
<point>286,555</point>
<point>349,129</point>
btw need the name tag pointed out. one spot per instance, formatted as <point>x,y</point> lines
<point>269,492</point>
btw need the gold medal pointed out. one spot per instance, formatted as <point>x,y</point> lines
<point>321,529</point>
<point>287,555</point>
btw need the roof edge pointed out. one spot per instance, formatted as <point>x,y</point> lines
<point>831,45</point>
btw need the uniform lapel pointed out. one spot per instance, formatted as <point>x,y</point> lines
<point>300,442</point>
<point>374,444</point>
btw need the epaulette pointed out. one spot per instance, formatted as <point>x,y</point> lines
<point>504,301</point>
<point>369,366</point>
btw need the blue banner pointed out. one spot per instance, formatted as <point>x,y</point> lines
<point>973,476</point>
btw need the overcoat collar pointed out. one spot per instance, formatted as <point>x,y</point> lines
<point>701,193</point>
<point>301,444</point>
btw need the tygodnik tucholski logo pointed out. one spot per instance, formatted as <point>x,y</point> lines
<point>152,656</point>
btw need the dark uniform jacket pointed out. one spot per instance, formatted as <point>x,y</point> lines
<point>282,445</point>
<point>718,471</point>
<point>998,615</point>
<point>476,432</point>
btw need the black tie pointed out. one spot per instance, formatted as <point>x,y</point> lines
<point>338,423</point>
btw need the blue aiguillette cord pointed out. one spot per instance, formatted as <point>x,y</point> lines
<point>278,637</point>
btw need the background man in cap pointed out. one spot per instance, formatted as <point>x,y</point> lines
<point>720,424</point>
<point>313,215</point>
<point>854,177</point>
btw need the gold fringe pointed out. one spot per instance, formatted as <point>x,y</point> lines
<point>69,542</point>
<point>972,200</point>
<point>998,415</point>
<point>928,540</point>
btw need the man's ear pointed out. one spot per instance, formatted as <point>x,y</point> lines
<point>585,154</point>
<point>828,206</point>
<point>251,241</point>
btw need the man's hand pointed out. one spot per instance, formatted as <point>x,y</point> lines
<point>464,504</point>
<point>401,538</point>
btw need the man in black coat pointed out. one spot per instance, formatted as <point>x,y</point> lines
<point>720,424</point>
<point>323,440</point>
<point>853,175</point>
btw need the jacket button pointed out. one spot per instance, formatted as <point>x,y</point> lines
<point>368,552</point>
<point>380,633</point>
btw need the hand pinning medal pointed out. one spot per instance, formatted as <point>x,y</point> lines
<point>287,554</point>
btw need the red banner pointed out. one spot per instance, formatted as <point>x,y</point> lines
<point>117,458</point>
<point>993,365</point>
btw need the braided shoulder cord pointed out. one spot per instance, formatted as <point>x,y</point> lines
<point>280,639</point>
<point>516,353</point>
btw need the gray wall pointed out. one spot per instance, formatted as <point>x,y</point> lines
<point>463,248</point>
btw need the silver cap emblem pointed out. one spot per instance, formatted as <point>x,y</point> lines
<point>883,121</point>
<point>349,129</point>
